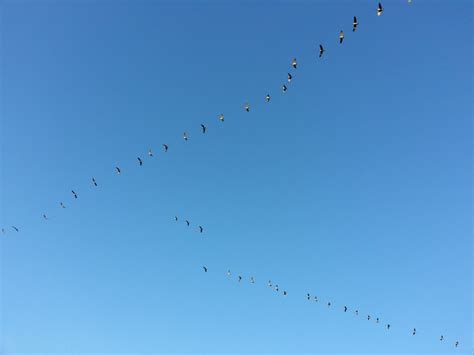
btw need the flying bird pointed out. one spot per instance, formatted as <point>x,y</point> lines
<point>290,77</point>
<point>165,147</point>
<point>15,228</point>
<point>247,107</point>
<point>62,205</point>
<point>388,326</point>
<point>267,98</point>
<point>252,280</point>
<point>456,344</point>
<point>140,161</point>
<point>441,338</point>
<point>150,153</point>
<point>379,9</point>
<point>176,218</point>
<point>414,331</point>
<point>368,317</point>
<point>228,273</point>
<point>354,24</point>
<point>329,304</point>
<point>205,268</point>
<point>45,217</point>
<point>357,312</point>
<point>316,298</point>
<point>345,308</point>
<point>203,128</point>
<point>118,170</point>
<point>284,293</point>
<point>188,223</point>
<point>377,320</point>
<point>321,50</point>
<point>94,182</point>
<point>200,229</point>
<point>269,283</point>
<point>341,36</point>
<point>309,296</point>
<point>284,88</point>
<point>240,278</point>
<point>294,64</point>
<point>221,117</point>
<point>276,288</point>
<point>74,194</point>
<point>185,136</point>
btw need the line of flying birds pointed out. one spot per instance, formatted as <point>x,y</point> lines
<point>221,117</point>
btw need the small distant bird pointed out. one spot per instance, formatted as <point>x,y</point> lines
<point>267,98</point>
<point>188,223</point>
<point>240,278</point>
<point>74,194</point>
<point>94,182</point>
<point>284,293</point>
<point>165,147</point>
<point>441,338</point>
<point>205,268</point>
<point>269,283</point>
<point>354,24</point>
<point>377,320</point>
<point>15,228</point>
<point>329,304</point>
<point>150,153</point>
<point>284,88</point>
<point>176,218</point>
<point>357,312</point>
<point>203,128</point>
<point>62,205</point>
<point>345,309</point>
<point>228,273</point>
<point>45,217</point>
<point>290,77</point>
<point>309,296</point>
<point>276,288</point>
<point>252,280</point>
<point>414,331</point>
<point>456,344</point>
<point>221,117</point>
<point>316,298</point>
<point>294,64</point>
<point>388,326</point>
<point>185,136</point>
<point>341,36</point>
<point>140,161</point>
<point>368,317</point>
<point>247,107</point>
<point>118,170</point>
<point>200,229</point>
<point>321,50</point>
<point>379,9</point>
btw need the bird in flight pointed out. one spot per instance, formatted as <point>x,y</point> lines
<point>329,304</point>
<point>185,136</point>
<point>284,88</point>
<point>357,312</point>
<point>456,344</point>
<point>269,283</point>
<point>221,117</point>
<point>205,268</point>
<point>201,229</point>
<point>15,228</point>
<point>45,217</point>
<point>150,153</point>
<point>118,170</point>
<point>316,298</point>
<point>354,24</point>
<point>284,293</point>
<point>345,308</point>
<point>341,36</point>
<point>165,147</point>
<point>379,9</point>
<point>441,338</point>
<point>94,182</point>
<point>188,223</point>
<point>240,278</point>
<point>74,194</point>
<point>267,98</point>
<point>321,50</point>
<point>308,296</point>
<point>377,320</point>
<point>228,273</point>
<point>252,280</point>
<point>368,317</point>
<point>247,107</point>
<point>62,205</point>
<point>203,128</point>
<point>294,64</point>
<point>276,288</point>
<point>176,218</point>
<point>290,77</point>
<point>388,326</point>
<point>140,161</point>
<point>414,331</point>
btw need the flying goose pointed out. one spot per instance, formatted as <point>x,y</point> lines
<point>284,88</point>
<point>341,36</point>
<point>203,127</point>
<point>118,170</point>
<point>188,223</point>
<point>321,50</point>
<point>247,107</point>
<point>94,182</point>
<point>294,64</point>
<point>379,9</point>
<point>414,331</point>
<point>165,147</point>
<point>205,268</point>
<point>354,24</point>
<point>185,136</point>
<point>200,229</point>
<point>140,161</point>
<point>290,77</point>
<point>74,194</point>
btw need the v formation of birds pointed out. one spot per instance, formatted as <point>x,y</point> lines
<point>200,228</point>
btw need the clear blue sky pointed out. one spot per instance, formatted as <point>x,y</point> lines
<point>355,185</point>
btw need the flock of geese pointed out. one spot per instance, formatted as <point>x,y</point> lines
<point>221,118</point>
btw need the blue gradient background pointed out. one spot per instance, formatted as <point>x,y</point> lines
<point>356,185</point>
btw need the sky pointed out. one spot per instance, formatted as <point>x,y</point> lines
<point>355,185</point>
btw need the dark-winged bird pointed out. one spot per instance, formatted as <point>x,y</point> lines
<point>309,296</point>
<point>247,107</point>
<point>379,9</point>
<point>74,194</point>
<point>316,298</point>
<point>165,147</point>
<point>150,153</point>
<point>294,64</point>
<point>276,288</point>
<point>354,24</point>
<point>290,77</point>
<point>341,37</point>
<point>118,170</point>
<point>188,223</point>
<point>205,268</point>
<point>62,205</point>
<point>456,344</point>
<point>203,128</point>
<point>140,161</point>
<point>377,320</point>
<point>94,182</point>
<point>269,283</point>
<point>240,278</point>
<point>357,312</point>
<point>252,280</point>
<point>414,331</point>
<point>185,136</point>
<point>284,293</point>
<point>284,88</point>
<point>176,218</point>
<point>200,229</point>
<point>15,228</point>
<point>267,98</point>
<point>388,326</point>
<point>441,338</point>
<point>228,273</point>
<point>45,217</point>
<point>345,308</point>
<point>329,304</point>
<point>368,317</point>
<point>221,117</point>
<point>321,50</point>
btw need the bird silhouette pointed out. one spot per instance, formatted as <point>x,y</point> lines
<point>345,308</point>
<point>150,153</point>
<point>354,24</point>
<point>240,278</point>
<point>165,147</point>
<point>201,229</point>
<point>329,304</point>
<point>228,273</point>
<point>290,77</point>
<point>308,296</point>
<point>185,136</point>
<point>321,50</point>
<point>205,268</point>
<point>316,298</point>
<point>284,293</point>
<point>294,64</point>
<point>252,280</point>
<point>118,170</point>
<point>379,9</point>
<point>269,283</point>
<point>94,182</point>
<point>441,338</point>
<point>140,161</point>
<point>15,228</point>
<point>414,331</point>
<point>456,344</point>
<point>341,36</point>
<point>388,326</point>
<point>188,223</point>
<point>176,218</point>
<point>368,317</point>
<point>284,88</point>
<point>203,128</point>
<point>221,117</point>
<point>267,98</point>
<point>276,288</point>
<point>62,205</point>
<point>74,194</point>
<point>45,217</point>
<point>247,107</point>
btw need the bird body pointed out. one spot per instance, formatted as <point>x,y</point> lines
<point>345,308</point>
<point>247,107</point>
<point>221,117</point>
<point>94,182</point>
<point>165,147</point>
<point>62,205</point>
<point>267,98</point>
<point>45,217</point>
<point>341,36</point>
<point>321,50</point>
<point>354,24</point>
<point>205,268</point>
<point>284,293</point>
<point>294,63</point>
<point>379,9</point>
<point>150,153</point>
<point>74,194</point>
<point>118,170</point>
<point>290,77</point>
<point>414,331</point>
<point>15,228</point>
<point>140,161</point>
<point>203,127</point>
<point>201,229</point>
<point>188,223</point>
<point>284,88</point>
<point>185,136</point>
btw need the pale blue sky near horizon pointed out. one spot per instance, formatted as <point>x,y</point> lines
<point>355,185</point>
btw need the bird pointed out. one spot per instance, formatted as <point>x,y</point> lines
<point>150,153</point>
<point>321,50</point>
<point>15,228</point>
<point>276,288</point>
<point>203,128</point>
<point>379,9</point>
<point>316,298</point>
<point>185,136</point>
<point>240,278</point>
<point>388,326</point>
<point>368,317</point>
<point>176,218</point>
<point>294,64</point>
<point>140,161</point>
<point>284,293</point>
<point>252,280</point>
<point>329,304</point>
<point>377,320</point>
<point>94,182</point>
<point>228,273</point>
<point>284,88</point>
<point>345,308</point>
<point>188,223</point>
<point>354,24</point>
<point>45,217</point>
<point>456,344</point>
<point>74,194</point>
<point>269,283</point>
<point>118,170</point>
<point>247,107</point>
<point>267,98</point>
<point>357,312</point>
<point>165,147</point>
<point>414,331</point>
<point>309,296</point>
<point>441,338</point>
<point>62,205</point>
<point>341,36</point>
<point>221,117</point>
<point>205,268</point>
<point>201,229</point>
<point>290,77</point>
